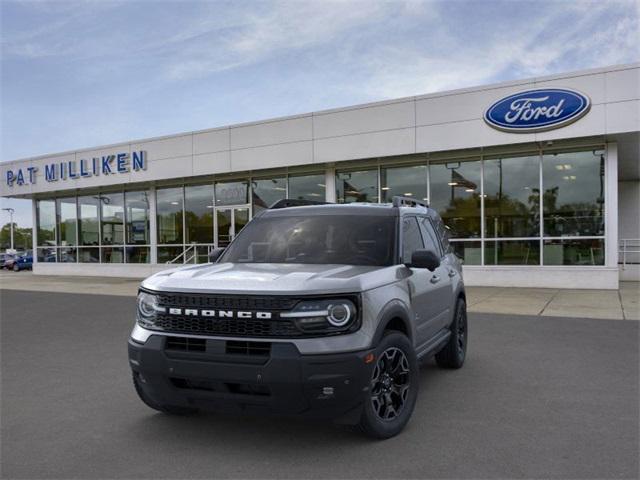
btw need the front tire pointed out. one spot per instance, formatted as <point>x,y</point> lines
<point>393,388</point>
<point>455,351</point>
<point>151,403</point>
<point>16,268</point>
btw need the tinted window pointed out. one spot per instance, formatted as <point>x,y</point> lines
<point>338,239</point>
<point>359,186</point>
<point>411,238</point>
<point>430,237</point>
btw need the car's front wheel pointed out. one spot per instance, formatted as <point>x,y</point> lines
<point>393,388</point>
<point>16,268</point>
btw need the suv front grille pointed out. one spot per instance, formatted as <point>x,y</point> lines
<point>234,327</point>
<point>227,302</point>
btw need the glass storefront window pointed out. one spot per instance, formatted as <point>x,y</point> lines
<point>512,252</point>
<point>88,226</point>
<point>46,217</point>
<point>267,191</point>
<point>455,195</point>
<point>137,218</point>
<point>112,255</point>
<point>198,213</point>
<point>407,181</point>
<point>573,198</point>
<point>112,218</point>
<point>169,207</point>
<point>360,186</point>
<point>469,252</point>
<point>573,252</point>
<point>232,193</point>
<point>307,187</point>
<point>137,254</point>
<point>47,254</point>
<point>167,254</point>
<point>512,197</point>
<point>89,255</point>
<point>67,254</point>
<point>67,222</point>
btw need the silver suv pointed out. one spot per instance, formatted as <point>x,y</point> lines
<point>314,309</point>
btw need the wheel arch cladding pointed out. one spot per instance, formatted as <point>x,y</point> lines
<point>394,317</point>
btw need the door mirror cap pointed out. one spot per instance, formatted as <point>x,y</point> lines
<point>215,254</point>
<point>424,259</point>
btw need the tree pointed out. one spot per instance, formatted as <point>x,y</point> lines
<point>21,237</point>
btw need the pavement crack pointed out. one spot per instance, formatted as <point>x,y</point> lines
<point>550,300</point>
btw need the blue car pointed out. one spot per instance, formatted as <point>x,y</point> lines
<point>23,262</point>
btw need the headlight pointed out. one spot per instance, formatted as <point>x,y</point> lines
<point>148,309</point>
<point>324,315</point>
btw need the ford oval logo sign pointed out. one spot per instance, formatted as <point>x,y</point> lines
<point>537,110</point>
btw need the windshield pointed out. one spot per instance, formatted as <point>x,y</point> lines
<point>337,239</point>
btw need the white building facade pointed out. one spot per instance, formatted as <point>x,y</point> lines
<point>537,180</point>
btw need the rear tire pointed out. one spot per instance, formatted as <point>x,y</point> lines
<point>149,402</point>
<point>16,268</point>
<point>393,388</point>
<point>455,351</point>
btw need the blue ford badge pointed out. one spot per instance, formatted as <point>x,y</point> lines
<point>537,110</point>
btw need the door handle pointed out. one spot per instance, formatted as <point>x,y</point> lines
<point>452,273</point>
<point>435,279</point>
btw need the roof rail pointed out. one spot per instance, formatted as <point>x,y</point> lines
<point>292,202</point>
<point>400,201</point>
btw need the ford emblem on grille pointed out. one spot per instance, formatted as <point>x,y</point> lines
<point>537,110</point>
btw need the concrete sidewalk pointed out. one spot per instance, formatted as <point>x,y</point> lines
<point>623,304</point>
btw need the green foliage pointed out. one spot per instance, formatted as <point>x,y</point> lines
<point>21,237</point>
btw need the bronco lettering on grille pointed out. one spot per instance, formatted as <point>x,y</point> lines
<point>192,312</point>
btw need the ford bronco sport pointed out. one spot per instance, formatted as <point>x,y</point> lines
<point>315,309</point>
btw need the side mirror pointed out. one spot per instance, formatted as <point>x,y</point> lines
<point>424,259</point>
<point>215,254</point>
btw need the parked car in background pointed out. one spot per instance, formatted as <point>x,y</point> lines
<point>7,260</point>
<point>23,262</point>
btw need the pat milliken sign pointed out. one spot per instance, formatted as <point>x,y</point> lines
<point>117,163</point>
<point>537,110</point>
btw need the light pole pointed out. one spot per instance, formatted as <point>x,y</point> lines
<point>11,212</point>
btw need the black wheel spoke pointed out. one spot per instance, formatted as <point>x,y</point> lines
<point>390,384</point>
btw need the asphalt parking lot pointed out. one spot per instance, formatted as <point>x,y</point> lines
<point>538,397</point>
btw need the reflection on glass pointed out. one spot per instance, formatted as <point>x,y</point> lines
<point>307,187</point>
<point>67,212</point>
<point>137,254</point>
<point>47,254</point>
<point>232,193</point>
<point>169,207</point>
<point>89,255</point>
<point>223,217</point>
<point>573,252</point>
<point>67,254</point>
<point>167,254</point>
<point>112,218</point>
<point>266,192</point>
<point>573,199</point>
<point>512,252</point>
<point>88,221</point>
<point>469,252</point>
<point>46,217</point>
<point>407,181</point>
<point>512,197</point>
<point>112,255</point>
<point>455,195</point>
<point>137,218</point>
<point>359,186</point>
<point>198,213</point>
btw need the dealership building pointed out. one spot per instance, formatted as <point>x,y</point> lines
<point>536,179</point>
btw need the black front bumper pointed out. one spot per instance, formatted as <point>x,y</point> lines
<point>281,381</point>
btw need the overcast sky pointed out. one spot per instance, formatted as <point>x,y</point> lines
<point>81,74</point>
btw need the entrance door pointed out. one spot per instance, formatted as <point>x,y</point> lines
<point>229,221</point>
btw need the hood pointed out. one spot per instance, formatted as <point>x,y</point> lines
<point>270,278</point>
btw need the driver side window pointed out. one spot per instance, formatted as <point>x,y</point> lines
<point>411,238</point>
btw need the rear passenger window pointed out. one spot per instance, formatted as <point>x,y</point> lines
<point>411,238</point>
<point>443,233</point>
<point>430,237</point>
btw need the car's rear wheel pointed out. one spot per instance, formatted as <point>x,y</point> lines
<point>455,351</point>
<point>393,388</point>
<point>150,402</point>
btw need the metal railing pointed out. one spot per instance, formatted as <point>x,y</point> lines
<point>190,253</point>
<point>628,249</point>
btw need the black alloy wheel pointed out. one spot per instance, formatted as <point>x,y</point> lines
<point>390,384</point>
